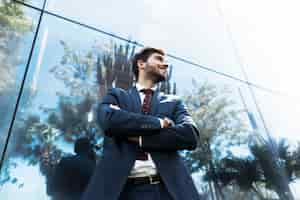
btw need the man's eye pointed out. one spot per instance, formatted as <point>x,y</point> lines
<point>159,58</point>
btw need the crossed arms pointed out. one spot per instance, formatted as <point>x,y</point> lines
<point>156,136</point>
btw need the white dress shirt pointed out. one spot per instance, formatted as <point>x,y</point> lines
<point>143,168</point>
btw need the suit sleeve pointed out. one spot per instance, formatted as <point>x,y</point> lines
<point>182,136</point>
<point>122,123</point>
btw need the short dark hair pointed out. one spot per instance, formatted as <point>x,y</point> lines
<point>143,55</point>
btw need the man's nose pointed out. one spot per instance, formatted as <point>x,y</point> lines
<point>164,65</point>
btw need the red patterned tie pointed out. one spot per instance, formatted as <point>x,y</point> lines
<point>147,100</point>
<point>145,109</point>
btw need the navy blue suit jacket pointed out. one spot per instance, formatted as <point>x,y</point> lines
<point>163,144</point>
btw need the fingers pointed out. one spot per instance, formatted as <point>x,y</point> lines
<point>171,122</point>
<point>168,122</point>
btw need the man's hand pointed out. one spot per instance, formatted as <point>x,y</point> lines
<point>168,123</point>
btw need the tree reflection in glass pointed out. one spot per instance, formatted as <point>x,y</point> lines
<point>15,26</point>
<point>42,135</point>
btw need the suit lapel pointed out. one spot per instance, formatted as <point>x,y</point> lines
<point>136,100</point>
<point>155,102</point>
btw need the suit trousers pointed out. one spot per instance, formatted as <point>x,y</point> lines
<point>145,192</point>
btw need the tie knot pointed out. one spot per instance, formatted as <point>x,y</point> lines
<point>147,91</point>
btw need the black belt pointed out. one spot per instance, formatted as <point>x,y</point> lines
<point>153,179</point>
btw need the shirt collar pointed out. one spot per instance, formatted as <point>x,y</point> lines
<point>139,87</point>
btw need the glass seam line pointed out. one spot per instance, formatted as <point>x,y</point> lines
<point>21,88</point>
<point>169,55</point>
<point>242,66</point>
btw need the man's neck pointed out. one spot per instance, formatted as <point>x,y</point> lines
<point>146,83</point>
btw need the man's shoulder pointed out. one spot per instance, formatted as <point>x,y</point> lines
<point>117,90</point>
<point>170,97</point>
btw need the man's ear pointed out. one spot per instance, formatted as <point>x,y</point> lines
<point>141,64</point>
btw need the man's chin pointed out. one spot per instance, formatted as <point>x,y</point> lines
<point>160,79</point>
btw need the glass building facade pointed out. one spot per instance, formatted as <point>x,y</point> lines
<point>57,59</point>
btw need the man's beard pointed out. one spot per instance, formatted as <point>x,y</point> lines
<point>156,76</point>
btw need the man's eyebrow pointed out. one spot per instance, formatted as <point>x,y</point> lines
<point>160,57</point>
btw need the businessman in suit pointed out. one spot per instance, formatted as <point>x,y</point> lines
<point>144,130</point>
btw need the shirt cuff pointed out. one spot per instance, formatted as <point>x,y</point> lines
<point>161,123</point>
<point>140,141</point>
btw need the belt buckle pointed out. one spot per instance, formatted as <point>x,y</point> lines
<point>153,182</point>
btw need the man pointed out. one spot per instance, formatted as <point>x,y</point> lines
<point>144,130</point>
